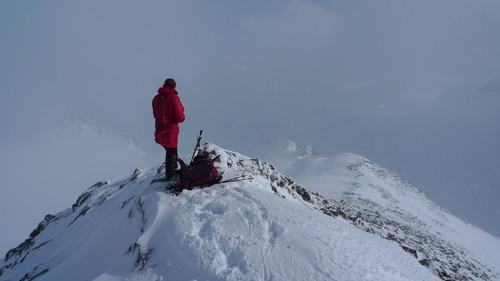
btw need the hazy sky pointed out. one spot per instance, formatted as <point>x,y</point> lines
<point>367,77</point>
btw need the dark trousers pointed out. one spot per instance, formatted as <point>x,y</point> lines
<point>170,162</point>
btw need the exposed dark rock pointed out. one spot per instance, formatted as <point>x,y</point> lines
<point>413,252</point>
<point>82,213</point>
<point>135,175</point>
<point>142,256</point>
<point>23,248</point>
<point>99,184</point>
<point>304,193</point>
<point>127,201</point>
<point>41,245</point>
<point>81,199</point>
<point>35,273</point>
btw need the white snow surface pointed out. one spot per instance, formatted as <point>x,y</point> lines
<point>131,229</point>
<point>47,171</point>
<point>268,228</point>
<point>349,177</point>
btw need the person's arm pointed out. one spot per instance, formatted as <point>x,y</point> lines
<point>178,109</point>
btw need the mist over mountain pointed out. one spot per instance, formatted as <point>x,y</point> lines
<point>345,218</point>
<point>449,148</point>
<point>43,173</point>
<point>413,86</point>
<point>393,81</point>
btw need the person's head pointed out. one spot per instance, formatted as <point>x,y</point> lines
<point>170,82</point>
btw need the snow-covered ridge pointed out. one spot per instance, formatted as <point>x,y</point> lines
<point>48,170</point>
<point>382,202</point>
<point>268,229</point>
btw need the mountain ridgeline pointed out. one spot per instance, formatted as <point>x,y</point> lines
<point>343,218</point>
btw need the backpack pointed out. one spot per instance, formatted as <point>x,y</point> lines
<point>201,172</point>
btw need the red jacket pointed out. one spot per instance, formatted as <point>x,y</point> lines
<point>168,112</point>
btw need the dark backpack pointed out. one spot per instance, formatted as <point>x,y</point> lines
<point>200,173</point>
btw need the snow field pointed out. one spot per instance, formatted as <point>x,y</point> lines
<point>241,231</point>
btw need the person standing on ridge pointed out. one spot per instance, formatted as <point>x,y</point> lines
<point>168,112</point>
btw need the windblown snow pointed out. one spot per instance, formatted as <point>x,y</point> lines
<point>48,171</point>
<point>269,228</point>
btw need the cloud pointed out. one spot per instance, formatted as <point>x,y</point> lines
<point>299,25</point>
<point>247,72</point>
<point>84,58</point>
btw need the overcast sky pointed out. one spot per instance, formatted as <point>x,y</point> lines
<point>344,76</point>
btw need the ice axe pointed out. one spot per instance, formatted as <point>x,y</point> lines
<point>197,146</point>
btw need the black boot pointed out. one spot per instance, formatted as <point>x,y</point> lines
<point>171,169</point>
<point>170,162</point>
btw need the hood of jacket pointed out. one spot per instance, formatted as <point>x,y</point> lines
<point>167,90</point>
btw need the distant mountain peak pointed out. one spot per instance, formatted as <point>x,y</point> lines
<point>291,147</point>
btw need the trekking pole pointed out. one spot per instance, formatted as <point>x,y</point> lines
<point>197,146</point>
<point>239,178</point>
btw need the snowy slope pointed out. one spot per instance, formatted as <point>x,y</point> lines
<point>45,172</point>
<point>381,202</point>
<point>265,229</point>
